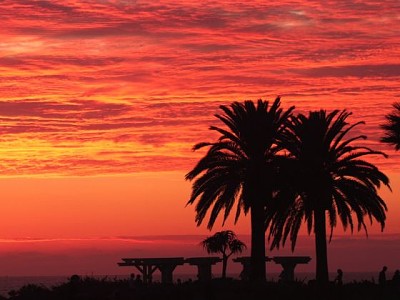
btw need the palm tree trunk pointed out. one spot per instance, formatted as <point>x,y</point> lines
<point>257,270</point>
<point>322,276</point>
<point>224,264</point>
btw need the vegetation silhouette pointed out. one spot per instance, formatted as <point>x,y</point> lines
<point>239,168</point>
<point>392,127</point>
<point>396,278</point>
<point>226,243</point>
<point>88,288</point>
<point>328,174</point>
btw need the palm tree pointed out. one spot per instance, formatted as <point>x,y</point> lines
<point>392,127</point>
<point>239,169</point>
<point>329,178</point>
<point>226,243</point>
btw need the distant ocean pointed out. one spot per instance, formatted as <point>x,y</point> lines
<point>8,283</point>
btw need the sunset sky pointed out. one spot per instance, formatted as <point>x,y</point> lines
<point>101,102</point>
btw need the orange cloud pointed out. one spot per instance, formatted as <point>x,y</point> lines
<point>141,81</point>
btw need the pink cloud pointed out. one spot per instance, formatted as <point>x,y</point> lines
<point>119,73</point>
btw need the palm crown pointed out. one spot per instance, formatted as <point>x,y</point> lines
<point>392,127</point>
<point>236,160</point>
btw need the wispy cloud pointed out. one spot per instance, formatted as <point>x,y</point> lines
<point>104,87</point>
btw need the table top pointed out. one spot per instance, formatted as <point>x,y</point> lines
<point>291,259</point>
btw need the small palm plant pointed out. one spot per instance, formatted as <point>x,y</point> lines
<point>392,127</point>
<point>226,243</point>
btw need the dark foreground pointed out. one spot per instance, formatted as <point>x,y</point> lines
<point>218,289</point>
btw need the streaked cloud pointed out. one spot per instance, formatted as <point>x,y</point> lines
<point>360,71</point>
<point>106,87</point>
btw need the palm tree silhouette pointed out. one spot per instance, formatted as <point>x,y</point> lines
<point>328,173</point>
<point>239,169</point>
<point>392,127</point>
<point>226,243</point>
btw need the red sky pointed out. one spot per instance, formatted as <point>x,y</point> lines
<point>101,102</point>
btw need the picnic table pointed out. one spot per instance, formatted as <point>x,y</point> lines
<point>167,265</point>
<point>288,264</point>
<point>147,266</point>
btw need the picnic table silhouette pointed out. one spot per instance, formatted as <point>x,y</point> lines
<point>167,265</point>
<point>288,264</point>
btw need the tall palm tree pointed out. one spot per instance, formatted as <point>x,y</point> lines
<point>329,178</point>
<point>226,243</point>
<point>238,169</point>
<point>392,127</point>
